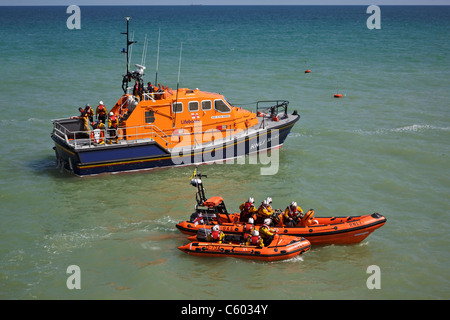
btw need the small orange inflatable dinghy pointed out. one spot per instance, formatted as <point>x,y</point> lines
<point>281,247</point>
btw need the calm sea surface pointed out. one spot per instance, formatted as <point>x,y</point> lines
<point>384,147</point>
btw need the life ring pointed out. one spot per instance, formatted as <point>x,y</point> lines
<point>275,118</point>
<point>97,136</point>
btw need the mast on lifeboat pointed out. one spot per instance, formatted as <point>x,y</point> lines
<point>136,75</point>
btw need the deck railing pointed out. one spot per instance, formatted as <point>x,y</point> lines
<point>270,109</point>
<point>68,131</point>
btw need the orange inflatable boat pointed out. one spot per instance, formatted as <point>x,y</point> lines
<point>327,230</point>
<point>318,230</point>
<point>281,247</point>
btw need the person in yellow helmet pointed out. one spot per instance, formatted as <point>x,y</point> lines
<point>292,215</point>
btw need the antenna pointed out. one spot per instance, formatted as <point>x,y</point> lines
<point>128,76</point>
<point>157,58</point>
<point>131,49</point>
<point>144,51</point>
<point>179,65</point>
<point>178,82</point>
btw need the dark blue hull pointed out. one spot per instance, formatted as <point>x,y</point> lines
<point>148,155</point>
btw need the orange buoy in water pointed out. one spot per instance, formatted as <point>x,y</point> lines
<point>338,95</point>
<point>308,71</point>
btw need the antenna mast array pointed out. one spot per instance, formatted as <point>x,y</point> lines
<point>139,73</point>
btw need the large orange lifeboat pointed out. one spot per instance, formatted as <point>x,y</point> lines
<point>159,126</point>
<point>280,247</point>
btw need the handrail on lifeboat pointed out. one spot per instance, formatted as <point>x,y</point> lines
<point>272,110</point>
<point>77,137</point>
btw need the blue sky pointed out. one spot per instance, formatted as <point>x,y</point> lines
<point>223,2</point>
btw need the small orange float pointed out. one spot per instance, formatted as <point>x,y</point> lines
<point>308,71</point>
<point>338,95</point>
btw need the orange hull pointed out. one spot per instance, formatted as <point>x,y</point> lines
<point>329,230</point>
<point>281,248</point>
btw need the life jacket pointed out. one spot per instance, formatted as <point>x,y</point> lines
<point>248,210</point>
<point>249,227</point>
<point>101,110</point>
<point>292,213</point>
<point>215,235</point>
<point>254,240</point>
<point>88,112</point>
<point>198,220</point>
<point>263,210</point>
<point>265,232</point>
<point>113,122</point>
<point>247,206</point>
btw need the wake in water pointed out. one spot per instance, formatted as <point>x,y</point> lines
<point>405,129</point>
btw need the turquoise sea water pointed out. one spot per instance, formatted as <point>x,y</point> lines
<point>383,147</point>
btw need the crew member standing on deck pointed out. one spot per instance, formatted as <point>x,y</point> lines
<point>89,113</point>
<point>150,88</point>
<point>101,112</point>
<point>138,89</point>
<point>112,128</point>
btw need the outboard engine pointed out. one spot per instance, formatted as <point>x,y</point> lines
<point>202,234</point>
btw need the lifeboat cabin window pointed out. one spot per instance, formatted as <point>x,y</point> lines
<point>193,106</point>
<point>221,106</point>
<point>206,105</point>
<point>149,116</point>
<point>177,107</point>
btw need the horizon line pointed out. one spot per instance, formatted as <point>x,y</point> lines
<point>216,5</point>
